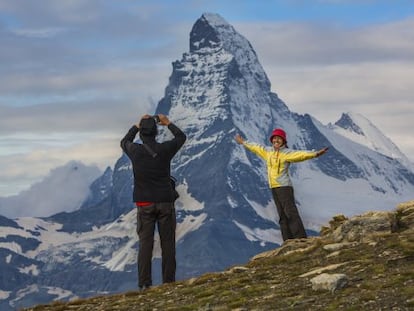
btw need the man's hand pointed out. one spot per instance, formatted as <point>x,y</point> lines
<point>239,139</point>
<point>163,120</point>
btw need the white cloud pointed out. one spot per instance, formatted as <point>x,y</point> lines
<point>32,162</point>
<point>62,190</point>
<point>38,33</point>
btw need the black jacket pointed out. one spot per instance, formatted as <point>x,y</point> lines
<point>152,175</point>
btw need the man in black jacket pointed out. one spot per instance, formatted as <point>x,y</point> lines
<point>153,193</point>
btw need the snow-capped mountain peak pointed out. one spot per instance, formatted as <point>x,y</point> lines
<point>359,129</point>
<point>212,31</point>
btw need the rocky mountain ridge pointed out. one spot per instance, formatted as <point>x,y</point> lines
<point>365,262</point>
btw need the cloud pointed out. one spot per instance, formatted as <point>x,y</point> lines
<point>49,11</point>
<point>38,33</point>
<point>73,117</point>
<point>100,82</point>
<point>289,44</point>
<point>62,190</point>
<point>32,156</point>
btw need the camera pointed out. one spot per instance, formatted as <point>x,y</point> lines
<point>156,118</point>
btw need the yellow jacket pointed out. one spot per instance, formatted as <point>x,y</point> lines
<point>278,162</point>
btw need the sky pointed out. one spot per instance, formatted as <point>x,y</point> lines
<point>76,74</point>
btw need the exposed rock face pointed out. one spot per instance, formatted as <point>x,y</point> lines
<point>364,227</point>
<point>405,216</point>
<point>361,228</point>
<point>331,282</point>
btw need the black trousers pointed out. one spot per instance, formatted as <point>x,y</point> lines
<point>162,214</point>
<point>290,222</point>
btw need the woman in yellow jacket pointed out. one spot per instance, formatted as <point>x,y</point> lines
<point>278,161</point>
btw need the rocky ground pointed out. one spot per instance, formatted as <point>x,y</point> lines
<point>362,263</point>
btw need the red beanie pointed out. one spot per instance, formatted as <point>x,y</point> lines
<point>280,133</point>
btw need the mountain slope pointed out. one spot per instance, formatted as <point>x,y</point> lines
<point>357,264</point>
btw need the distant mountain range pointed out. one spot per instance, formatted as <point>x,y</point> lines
<point>225,212</point>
